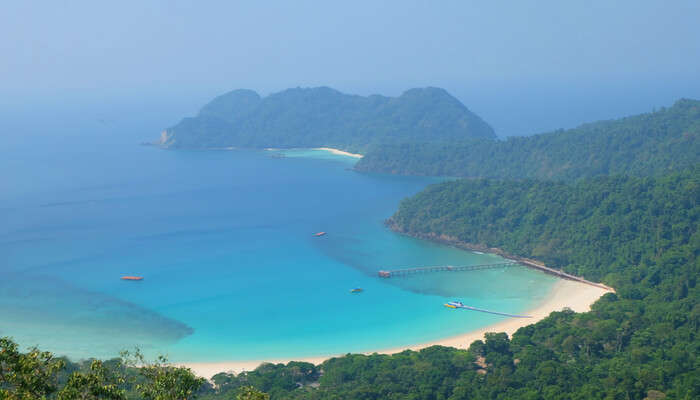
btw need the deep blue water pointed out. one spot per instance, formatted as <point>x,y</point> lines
<point>224,241</point>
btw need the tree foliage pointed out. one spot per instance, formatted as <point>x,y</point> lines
<point>98,383</point>
<point>251,393</point>
<point>25,376</point>
<point>643,145</point>
<point>38,375</point>
<point>162,381</point>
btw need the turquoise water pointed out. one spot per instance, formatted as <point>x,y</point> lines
<point>225,242</point>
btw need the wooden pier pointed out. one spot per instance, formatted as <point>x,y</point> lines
<point>442,268</point>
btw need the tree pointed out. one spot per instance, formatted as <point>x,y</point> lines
<point>99,383</point>
<point>161,380</point>
<point>251,393</point>
<point>25,376</point>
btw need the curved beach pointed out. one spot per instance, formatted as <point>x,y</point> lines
<point>339,152</point>
<point>577,296</point>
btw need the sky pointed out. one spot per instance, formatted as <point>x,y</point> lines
<point>524,66</point>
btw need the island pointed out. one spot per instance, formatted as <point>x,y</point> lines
<point>324,117</point>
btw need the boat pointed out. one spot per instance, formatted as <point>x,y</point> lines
<point>132,278</point>
<point>319,234</point>
<point>458,304</point>
<point>454,304</point>
<point>356,290</point>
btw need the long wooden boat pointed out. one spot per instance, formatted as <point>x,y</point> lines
<point>132,278</point>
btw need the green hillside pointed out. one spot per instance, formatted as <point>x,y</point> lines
<point>642,145</point>
<point>325,117</point>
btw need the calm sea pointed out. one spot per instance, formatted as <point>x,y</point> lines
<point>224,240</point>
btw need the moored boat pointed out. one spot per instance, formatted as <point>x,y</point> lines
<point>132,278</point>
<point>454,304</point>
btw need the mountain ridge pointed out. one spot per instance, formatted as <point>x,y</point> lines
<point>322,116</point>
<point>645,144</point>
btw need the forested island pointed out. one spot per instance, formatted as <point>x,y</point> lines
<point>324,117</point>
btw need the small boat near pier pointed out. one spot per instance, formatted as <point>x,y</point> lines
<point>459,304</point>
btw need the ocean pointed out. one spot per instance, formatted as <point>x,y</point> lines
<point>225,243</point>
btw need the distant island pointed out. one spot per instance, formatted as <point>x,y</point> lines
<point>324,117</point>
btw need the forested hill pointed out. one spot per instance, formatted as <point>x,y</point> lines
<point>598,228</point>
<point>317,117</point>
<point>642,145</point>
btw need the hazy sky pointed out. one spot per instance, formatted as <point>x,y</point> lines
<point>495,56</point>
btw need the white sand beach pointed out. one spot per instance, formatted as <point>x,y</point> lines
<point>566,294</point>
<point>339,152</point>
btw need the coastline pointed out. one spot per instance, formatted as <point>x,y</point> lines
<point>576,296</point>
<point>339,152</point>
<point>569,292</point>
<point>528,262</point>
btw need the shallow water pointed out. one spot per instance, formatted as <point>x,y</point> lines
<point>224,240</point>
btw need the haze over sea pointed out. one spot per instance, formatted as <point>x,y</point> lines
<point>224,242</point>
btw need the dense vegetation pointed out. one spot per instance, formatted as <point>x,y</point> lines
<point>40,375</point>
<point>599,228</point>
<point>644,145</point>
<point>325,117</point>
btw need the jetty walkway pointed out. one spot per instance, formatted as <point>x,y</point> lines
<point>517,261</point>
<point>561,274</point>
<point>442,268</point>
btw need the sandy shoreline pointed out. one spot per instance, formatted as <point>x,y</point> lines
<point>328,149</point>
<point>339,152</point>
<point>574,295</point>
